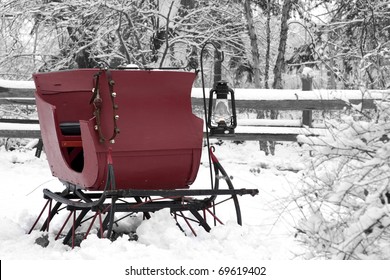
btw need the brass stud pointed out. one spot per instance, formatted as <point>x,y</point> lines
<point>112,141</point>
<point>116,117</point>
<point>113,94</point>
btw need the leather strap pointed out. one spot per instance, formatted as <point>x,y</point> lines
<point>98,102</point>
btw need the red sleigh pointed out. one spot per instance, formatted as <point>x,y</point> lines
<point>124,141</point>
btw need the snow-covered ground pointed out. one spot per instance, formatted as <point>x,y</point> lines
<point>267,233</point>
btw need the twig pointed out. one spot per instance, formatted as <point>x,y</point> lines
<point>122,41</point>
<point>166,36</point>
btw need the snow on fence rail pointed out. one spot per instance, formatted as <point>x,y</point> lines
<point>22,93</point>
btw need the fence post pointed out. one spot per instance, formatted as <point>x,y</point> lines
<point>307,85</point>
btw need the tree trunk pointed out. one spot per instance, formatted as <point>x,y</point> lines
<point>268,51</point>
<point>255,61</point>
<point>254,44</point>
<point>217,65</point>
<point>280,61</point>
<point>267,146</point>
<point>331,75</point>
<point>188,4</point>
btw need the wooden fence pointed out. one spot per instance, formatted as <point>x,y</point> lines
<point>302,101</point>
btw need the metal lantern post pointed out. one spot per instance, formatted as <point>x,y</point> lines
<point>222,118</point>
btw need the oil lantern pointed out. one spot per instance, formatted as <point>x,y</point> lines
<point>222,118</point>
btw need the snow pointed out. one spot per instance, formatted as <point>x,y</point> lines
<point>307,72</point>
<point>297,94</point>
<point>258,94</point>
<point>269,122</point>
<point>19,126</point>
<point>279,130</point>
<point>267,236</point>
<point>267,232</point>
<point>249,126</point>
<point>17,84</point>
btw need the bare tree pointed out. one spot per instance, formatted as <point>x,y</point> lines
<point>253,42</point>
<point>75,33</point>
<point>280,60</point>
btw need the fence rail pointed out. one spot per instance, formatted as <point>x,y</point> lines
<point>22,93</point>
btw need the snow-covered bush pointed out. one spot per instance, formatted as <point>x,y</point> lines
<point>345,198</point>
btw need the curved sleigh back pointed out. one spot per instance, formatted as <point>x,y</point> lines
<point>156,140</point>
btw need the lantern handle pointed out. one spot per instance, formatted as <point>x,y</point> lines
<point>234,117</point>
<point>221,54</point>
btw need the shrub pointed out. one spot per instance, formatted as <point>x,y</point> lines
<point>345,193</point>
